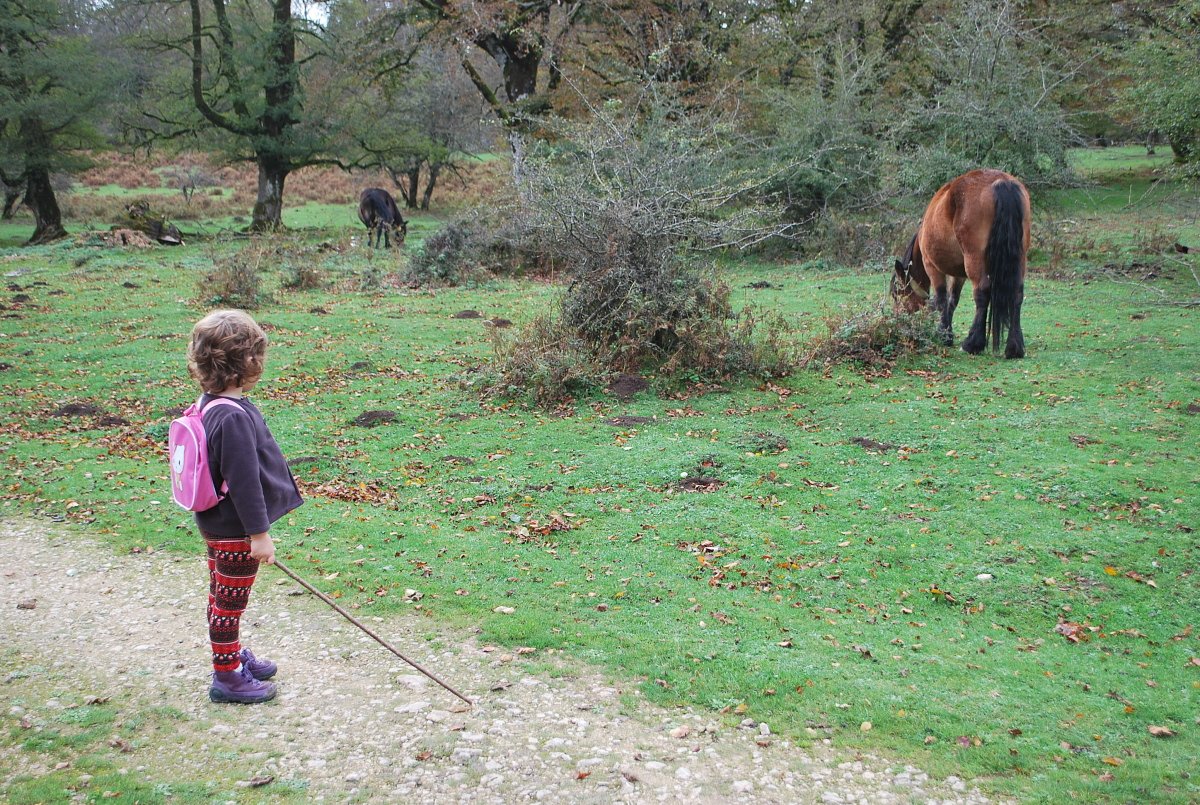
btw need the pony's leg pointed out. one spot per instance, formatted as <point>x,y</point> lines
<point>1015,347</point>
<point>939,298</point>
<point>955,286</point>
<point>982,291</point>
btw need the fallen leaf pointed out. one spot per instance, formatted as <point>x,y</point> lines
<point>29,603</point>
<point>582,775</point>
<point>681,732</point>
<point>866,726</point>
<point>260,780</point>
<point>424,755</point>
<point>1113,761</point>
<point>1161,732</point>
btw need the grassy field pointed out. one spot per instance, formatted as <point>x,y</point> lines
<point>984,567</point>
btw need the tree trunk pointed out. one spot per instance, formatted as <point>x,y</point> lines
<point>39,197</point>
<point>268,209</point>
<point>434,169</point>
<point>410,188</point>
<point>12,194</point>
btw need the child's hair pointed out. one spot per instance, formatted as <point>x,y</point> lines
<point>227,349</point>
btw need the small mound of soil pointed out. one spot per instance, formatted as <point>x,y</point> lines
<point>458,417</point>
<point>318,311</point>
<point>501,323</point>
<point>112,421</point>
<point>21,298</point>
<point>303,460</point>
<point>1193,409</point>
<point>700,483</point>
<point>360,366</point>
<point>76,409</point>
<point>126,237</point>
<point>128,284</point>
<point>872,445</point>
<point>626,386</point>
<point>762,285</point>
<point>12,286</point>
<point>57,292</point>
<point>626,421</point>
<point>175,411</point>
<point>458,460</point>
<point>371,419</point>
<point>467,314</point>
<point>4,367</point>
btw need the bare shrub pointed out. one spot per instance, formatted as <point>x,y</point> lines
<point>627,205</point>
<point>875,338</point>
<point>236,280</point>
<point>473,247</point>
<point>550,363</point>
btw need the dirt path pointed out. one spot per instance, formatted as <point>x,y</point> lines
<point>354,723</point>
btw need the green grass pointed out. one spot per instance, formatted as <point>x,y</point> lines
<point>1116,162</point>
<point>918,589</point>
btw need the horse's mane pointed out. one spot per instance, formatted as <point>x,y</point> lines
<point>908,253</point>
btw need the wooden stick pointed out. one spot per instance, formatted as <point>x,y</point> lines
<point>357,623</point>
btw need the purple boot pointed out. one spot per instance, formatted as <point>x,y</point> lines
<point>259,669</point>
<point>239,686</point>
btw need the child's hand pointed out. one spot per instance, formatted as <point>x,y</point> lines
<point>262,548</point>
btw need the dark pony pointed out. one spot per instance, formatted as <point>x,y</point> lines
<point>976,227</point>
<point>379,214</point>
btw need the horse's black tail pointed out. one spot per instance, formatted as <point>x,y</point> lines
<point>1005,254</point>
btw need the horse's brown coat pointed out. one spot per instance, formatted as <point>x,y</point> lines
<point>962,236</point>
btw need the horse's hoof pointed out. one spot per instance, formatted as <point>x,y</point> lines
<point>972,348</point>
<point>1011,352</point>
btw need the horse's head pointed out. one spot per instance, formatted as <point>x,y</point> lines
<point>906,290</point>
<point>907,295</point>
<point>400,230</point>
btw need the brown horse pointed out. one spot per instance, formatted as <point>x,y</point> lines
<point>976,227</point>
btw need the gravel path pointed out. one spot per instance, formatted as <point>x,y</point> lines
<point>352,722</point>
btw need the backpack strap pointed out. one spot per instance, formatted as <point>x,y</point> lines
<point>224,490</point>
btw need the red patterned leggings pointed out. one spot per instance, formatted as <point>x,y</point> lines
<point>231,574</point>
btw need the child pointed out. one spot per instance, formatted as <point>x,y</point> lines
<point>226,356</point>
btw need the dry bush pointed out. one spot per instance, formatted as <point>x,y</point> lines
<point>627,204</point>
<point>550,363</point>
<point>875,338</point>
<point>124,170</point>
<point>474,247</point>
<point>236,280</point>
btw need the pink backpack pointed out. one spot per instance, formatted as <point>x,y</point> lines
<point>187,452</point>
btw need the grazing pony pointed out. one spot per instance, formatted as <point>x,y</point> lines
<point>976,227</point>
<point>377,210</point>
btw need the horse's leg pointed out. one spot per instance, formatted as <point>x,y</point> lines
<point>1015,347</point>
<point>939,298</point>
<point>982,290</point>
<point>954,293</point>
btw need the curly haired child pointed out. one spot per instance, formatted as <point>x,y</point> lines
<point>226,357</point>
